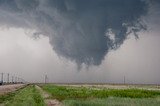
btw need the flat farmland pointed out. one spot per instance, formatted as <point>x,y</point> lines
<point>82,95</point>
<point>104,94</point>
<point>10,88</point>
<point>27,95</point>
<point>114,86</point>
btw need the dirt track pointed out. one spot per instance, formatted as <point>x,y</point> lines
<point>10,88</point>
<point>49,102</point>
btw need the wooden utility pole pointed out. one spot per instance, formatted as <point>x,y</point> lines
<point>19,80</point>
<point>45,79</point>
<point>12,79</point>
<point>124,80</point>
<point>8,77</point>
<point>2,77</point>
<point>15,79</point>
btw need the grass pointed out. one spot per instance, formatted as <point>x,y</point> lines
<point>27,96</point>
<point>7,97</point>
<point>82,96</point>
<point>63,93</point>
<point>114,101</point>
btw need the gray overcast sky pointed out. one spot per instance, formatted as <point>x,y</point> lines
<point>81,41</point>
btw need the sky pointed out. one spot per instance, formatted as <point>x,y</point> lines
<point>81,41</point>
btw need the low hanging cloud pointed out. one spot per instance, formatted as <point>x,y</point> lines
<point>83,31</point>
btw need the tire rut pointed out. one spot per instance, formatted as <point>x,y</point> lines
<point>46,96</point>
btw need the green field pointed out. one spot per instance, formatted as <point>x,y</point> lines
<point>27,96</point>
<point>113,101</point>
<point>81,96</point>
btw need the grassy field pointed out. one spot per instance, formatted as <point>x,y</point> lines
<point>113,101</point>
<point>27,96</point>
<point>7,97</point>
<point>81,96</point>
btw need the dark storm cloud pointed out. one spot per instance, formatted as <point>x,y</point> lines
<point>80,30</point>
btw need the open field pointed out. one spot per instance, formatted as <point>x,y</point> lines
<point>83,95</point>
<point>114,86</point>
<point>113,101</point>
<point>64,92</point>
<point>104,95</point>
<point>27,96</point>
<point>10,88</point>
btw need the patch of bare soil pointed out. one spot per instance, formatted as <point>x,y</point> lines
<point>10,88</point>
<point>46,96</point>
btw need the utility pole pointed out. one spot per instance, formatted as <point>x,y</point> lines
<point>12,79</point>
<point>124,80</point>
<point>23,81</point>
<point>8,77</point>
<point>2,77</point>
<point>18,79</point>
<point>15,79</point>
<point>45,79</point>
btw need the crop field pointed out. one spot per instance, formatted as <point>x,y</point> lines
<point>89,96</point>
<point>27,96</point>
<point>82,95</point>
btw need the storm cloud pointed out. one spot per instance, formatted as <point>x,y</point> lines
<point>83,31</point>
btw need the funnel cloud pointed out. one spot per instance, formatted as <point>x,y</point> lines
<point>106,40</point>
<point>83,31</point>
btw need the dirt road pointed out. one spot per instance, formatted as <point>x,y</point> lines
<point>49,102</point>
<point>10,88</point>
